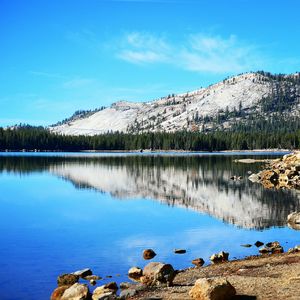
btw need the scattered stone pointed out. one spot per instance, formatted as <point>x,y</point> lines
<point>58,292</point>
<point>93,282</point>
<point>156,273</point>
<point>92,277</point>
<point>198,262</point>
<point>219,257</point>
<point>108,276</point>
<point>294,218</point>
<point>212,289</point>
<point>135,273</point>
<point>67,279</point>
<point>128,293</point>
<point>179,251</point>
<point>254,178</point>
<point>77,291</point>
<point>148,254</point>
<point>246,245</point>
<point>83,273</point>
<point>125,285</point>
<point>107,291</point>
<point>272,247</point>
<point>258,244</point>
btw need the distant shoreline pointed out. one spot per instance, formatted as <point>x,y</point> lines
<point>145,151</point>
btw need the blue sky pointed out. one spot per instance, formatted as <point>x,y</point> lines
<point>58,56</point>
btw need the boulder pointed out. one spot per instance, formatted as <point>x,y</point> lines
<point>219,257</point>
<point>135,273</point>
<point>58,292</point>
<point>77,291</point>
<point>93,282</point>
<point>254,178</point>
<point>92,277</point>
<point>67,279</point>
<point>148,254</point>
<point>198,262</point>
<point>156,273</point>
<point>212,289</point>
<point>83,273</point>
<point>106,291</point>
<point>294,218</point>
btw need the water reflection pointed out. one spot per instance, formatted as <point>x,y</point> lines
<point>199,183</point>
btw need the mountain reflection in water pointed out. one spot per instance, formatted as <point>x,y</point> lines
<point>200,183</point>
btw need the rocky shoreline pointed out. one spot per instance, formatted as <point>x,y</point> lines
<point>271,275</point>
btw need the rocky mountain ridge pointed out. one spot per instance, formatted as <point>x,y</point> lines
<point>238,99</point>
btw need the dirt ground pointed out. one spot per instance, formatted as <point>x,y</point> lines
<point>273,277</point>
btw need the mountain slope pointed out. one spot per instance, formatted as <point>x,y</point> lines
<point>218,106</point>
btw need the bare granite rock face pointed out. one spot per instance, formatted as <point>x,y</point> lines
<point>212,289</point>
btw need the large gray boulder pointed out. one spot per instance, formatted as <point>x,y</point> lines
<point>212,289</point>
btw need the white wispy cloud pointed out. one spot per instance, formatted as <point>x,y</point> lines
<point>140,48</point>
<point>78,82</point>
<point>47,74</point>
<point>196,52</point>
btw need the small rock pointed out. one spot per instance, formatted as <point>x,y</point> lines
<point>93,282</point>
<point>294,217</point>
<point>272,247</point>
<point>108,276</point>
<point>83,273</point>
<point>148,254</point>
<point>212,289</point>
<point>92,277</point>
<point>246,245</point>
<point>198,262</point>
<point>254,178</point>
<point>135,273</point>
<point>156,273</point>
<point>125,285</point>
<point>58,292</point>
<point>179,251</point>
<point>258,243</point>
<point>104,296</point>
<point>67,279</point>
<point>77,291</point>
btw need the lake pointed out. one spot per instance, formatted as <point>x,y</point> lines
<point>61,212</point>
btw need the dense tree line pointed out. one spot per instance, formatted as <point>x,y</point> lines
<point>31,138</point>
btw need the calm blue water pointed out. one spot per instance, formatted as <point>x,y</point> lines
<point>63,212</point>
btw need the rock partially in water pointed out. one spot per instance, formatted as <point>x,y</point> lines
<point>58,292</point>
<point>156,273</point>
<point>246,245</point>
<point>92,277</point>
<point>212,289</point>
<point>179,251</point>
<point>272,247</point>
<point>198,262</point>
<point>219,257</point>
<point>258,244</point>
<point>83,273</point>
<point>67,279</point>
<point>93,282</point>
<point>135,273</point>
<point>294,218</point>
<point>77,291</point>
<point>105,296</point>
<point>148,254</point>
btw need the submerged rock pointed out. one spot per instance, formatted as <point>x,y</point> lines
<point>179,251</point>
<point>77,291</point>
<point>148,254</point>
<point>246,245</point>
<point>67,279</point>
<point>156,273</point>
<point>212,289</point>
